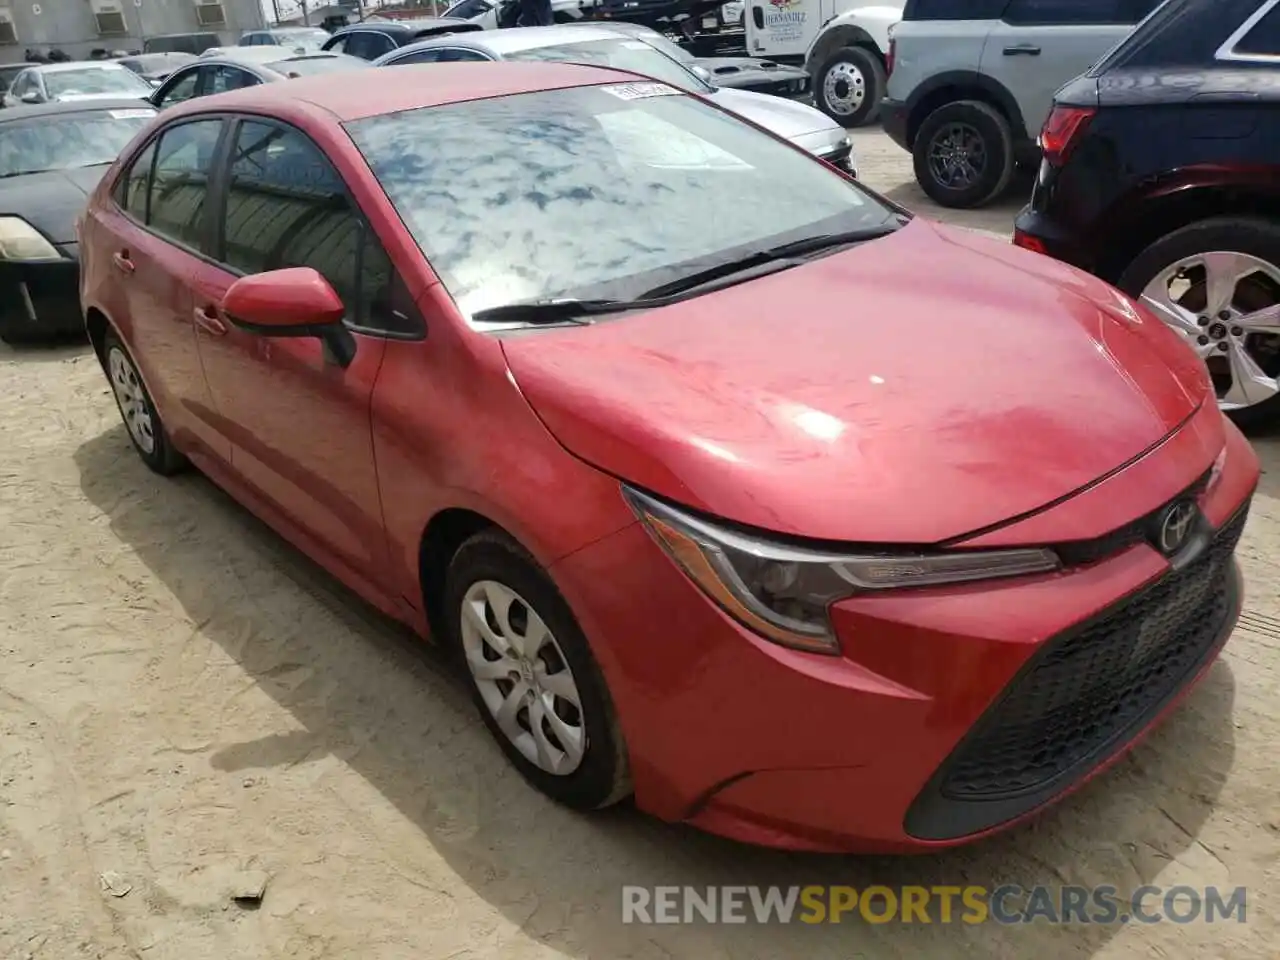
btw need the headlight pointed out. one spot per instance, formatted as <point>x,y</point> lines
<point>19,240</point>
<point>782,592</point>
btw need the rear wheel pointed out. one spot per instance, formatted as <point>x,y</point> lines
<point>849,86</point>
<point>141,419</point>
<point>532,674</point>
<point>963,154</point>
<point>1217,284</point>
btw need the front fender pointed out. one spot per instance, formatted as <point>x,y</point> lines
<point>871,22</point>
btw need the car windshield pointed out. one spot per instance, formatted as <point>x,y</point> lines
<point>598,191</point>
<point>302,41</point>
<point>113,79</point>
<point>309,66</point>
<point>623,53</point>
<point>66,141</point>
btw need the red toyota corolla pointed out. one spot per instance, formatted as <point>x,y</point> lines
<point>733,486</point>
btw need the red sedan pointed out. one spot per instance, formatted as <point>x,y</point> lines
<point>733,486</point>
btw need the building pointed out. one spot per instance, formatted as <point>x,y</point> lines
<point>77,27</point>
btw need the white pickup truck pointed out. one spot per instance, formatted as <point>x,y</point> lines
<point>842,43</point>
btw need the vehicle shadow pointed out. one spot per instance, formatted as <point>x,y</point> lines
<point>430,757</point>
<point>53,350</point>
<point>995,218</point>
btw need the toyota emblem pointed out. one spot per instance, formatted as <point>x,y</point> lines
<point>1175,526</point>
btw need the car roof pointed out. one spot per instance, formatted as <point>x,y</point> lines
<point>76,65</point>
<point>516,39</point>
<point>27,111</point>
<point>260,55</point>
<point>359,94</point>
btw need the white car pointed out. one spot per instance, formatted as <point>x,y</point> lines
<point>64,82</point>
<point>603,46</point>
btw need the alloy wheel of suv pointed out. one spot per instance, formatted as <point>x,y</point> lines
<point>1217,284</point>
<point>963,154</point>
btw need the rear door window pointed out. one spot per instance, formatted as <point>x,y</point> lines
<point>230,78</point>
<point>1072,12</point>
<point>180,182</point>
<point>179,88</point>
<point>368,45</point>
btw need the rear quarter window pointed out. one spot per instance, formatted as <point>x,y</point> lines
<point>953,9</point>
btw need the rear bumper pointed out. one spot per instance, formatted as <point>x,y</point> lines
<point>1033,230</point>
<point>41,299</point>
<point>893,117</point>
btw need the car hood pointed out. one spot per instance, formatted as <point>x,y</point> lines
<point>803,125</point>
<point>912,389</point>
<point>50,201</point>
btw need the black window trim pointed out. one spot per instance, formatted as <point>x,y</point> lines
<point>206,227</point>
<point>172,81</point>
<point>1120,4</point>
<point>1228,52</point>
<point>217,200</point>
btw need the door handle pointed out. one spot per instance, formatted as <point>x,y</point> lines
<point>122,261</point>
<point>1022,49</point>
<point>209,322</point>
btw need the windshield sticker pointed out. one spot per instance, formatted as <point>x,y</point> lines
<point>638,91</point>
<point>131,114</point>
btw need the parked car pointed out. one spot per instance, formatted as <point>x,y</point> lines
<point>247,67</point>
<point>876,474</point>
<point>493,14</point>
<point>972,81</point>
<point>370,40</point>
<point>7,73</point>
<point>734,73</point>
<point>193,43</point>
<point>155,68</point>
<point>297,39</point>
<point>75,81</point>
<point>842,44</point>
<point>1161,174</point>
<point>51,157</point>
<point>604,45</point>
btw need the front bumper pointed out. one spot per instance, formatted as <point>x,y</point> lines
<point>914,737</point>
<point>41,298</point>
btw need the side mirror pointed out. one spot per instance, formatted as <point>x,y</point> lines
<point>293,302</point>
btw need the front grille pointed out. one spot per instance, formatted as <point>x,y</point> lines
<point>1083,694</point>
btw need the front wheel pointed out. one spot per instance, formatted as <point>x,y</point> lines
<point>532,674</point>
<point>849,86</point>
<point>1217,284</point>
<point>963,154</point>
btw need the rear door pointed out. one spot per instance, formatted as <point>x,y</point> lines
<point>157,236</point>
<point>1038,45</point>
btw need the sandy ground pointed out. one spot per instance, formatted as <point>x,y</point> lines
<point>184,701</point>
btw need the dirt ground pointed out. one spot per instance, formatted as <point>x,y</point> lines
<point>187,704</point>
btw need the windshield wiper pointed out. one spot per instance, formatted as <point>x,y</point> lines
<point>535,312</point>
<point>760,262</point>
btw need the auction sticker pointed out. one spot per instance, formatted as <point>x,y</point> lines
<point>131,114</point>
<point>638,91</point>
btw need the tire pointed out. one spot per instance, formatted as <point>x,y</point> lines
<point>853,65</point>
<point>986,130</point>
<point>132,399</point>
<point>1251,237</point>
<point>489,560</point>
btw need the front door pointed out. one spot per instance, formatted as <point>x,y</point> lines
<point>298,421</point>
<point>784,28</point>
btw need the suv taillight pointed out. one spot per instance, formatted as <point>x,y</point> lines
<point>1062,130</point>
<point>888,60</point>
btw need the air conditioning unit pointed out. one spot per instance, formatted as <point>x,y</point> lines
<point>109,18</point>
<point>8,32</point>
<point>210,14</point>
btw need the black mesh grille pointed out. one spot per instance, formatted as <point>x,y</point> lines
<point>1090,687</point>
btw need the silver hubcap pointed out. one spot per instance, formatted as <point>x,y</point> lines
<point>1226,305</point>
<point>523,677</point>
<point>132,399</point>
<point>844,89</point>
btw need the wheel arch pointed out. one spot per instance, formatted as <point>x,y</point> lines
<point>954,85</point>
<point>1143,219</point>
<point>835,36</point>
<point>96,325</point>
<point>446,531</point>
